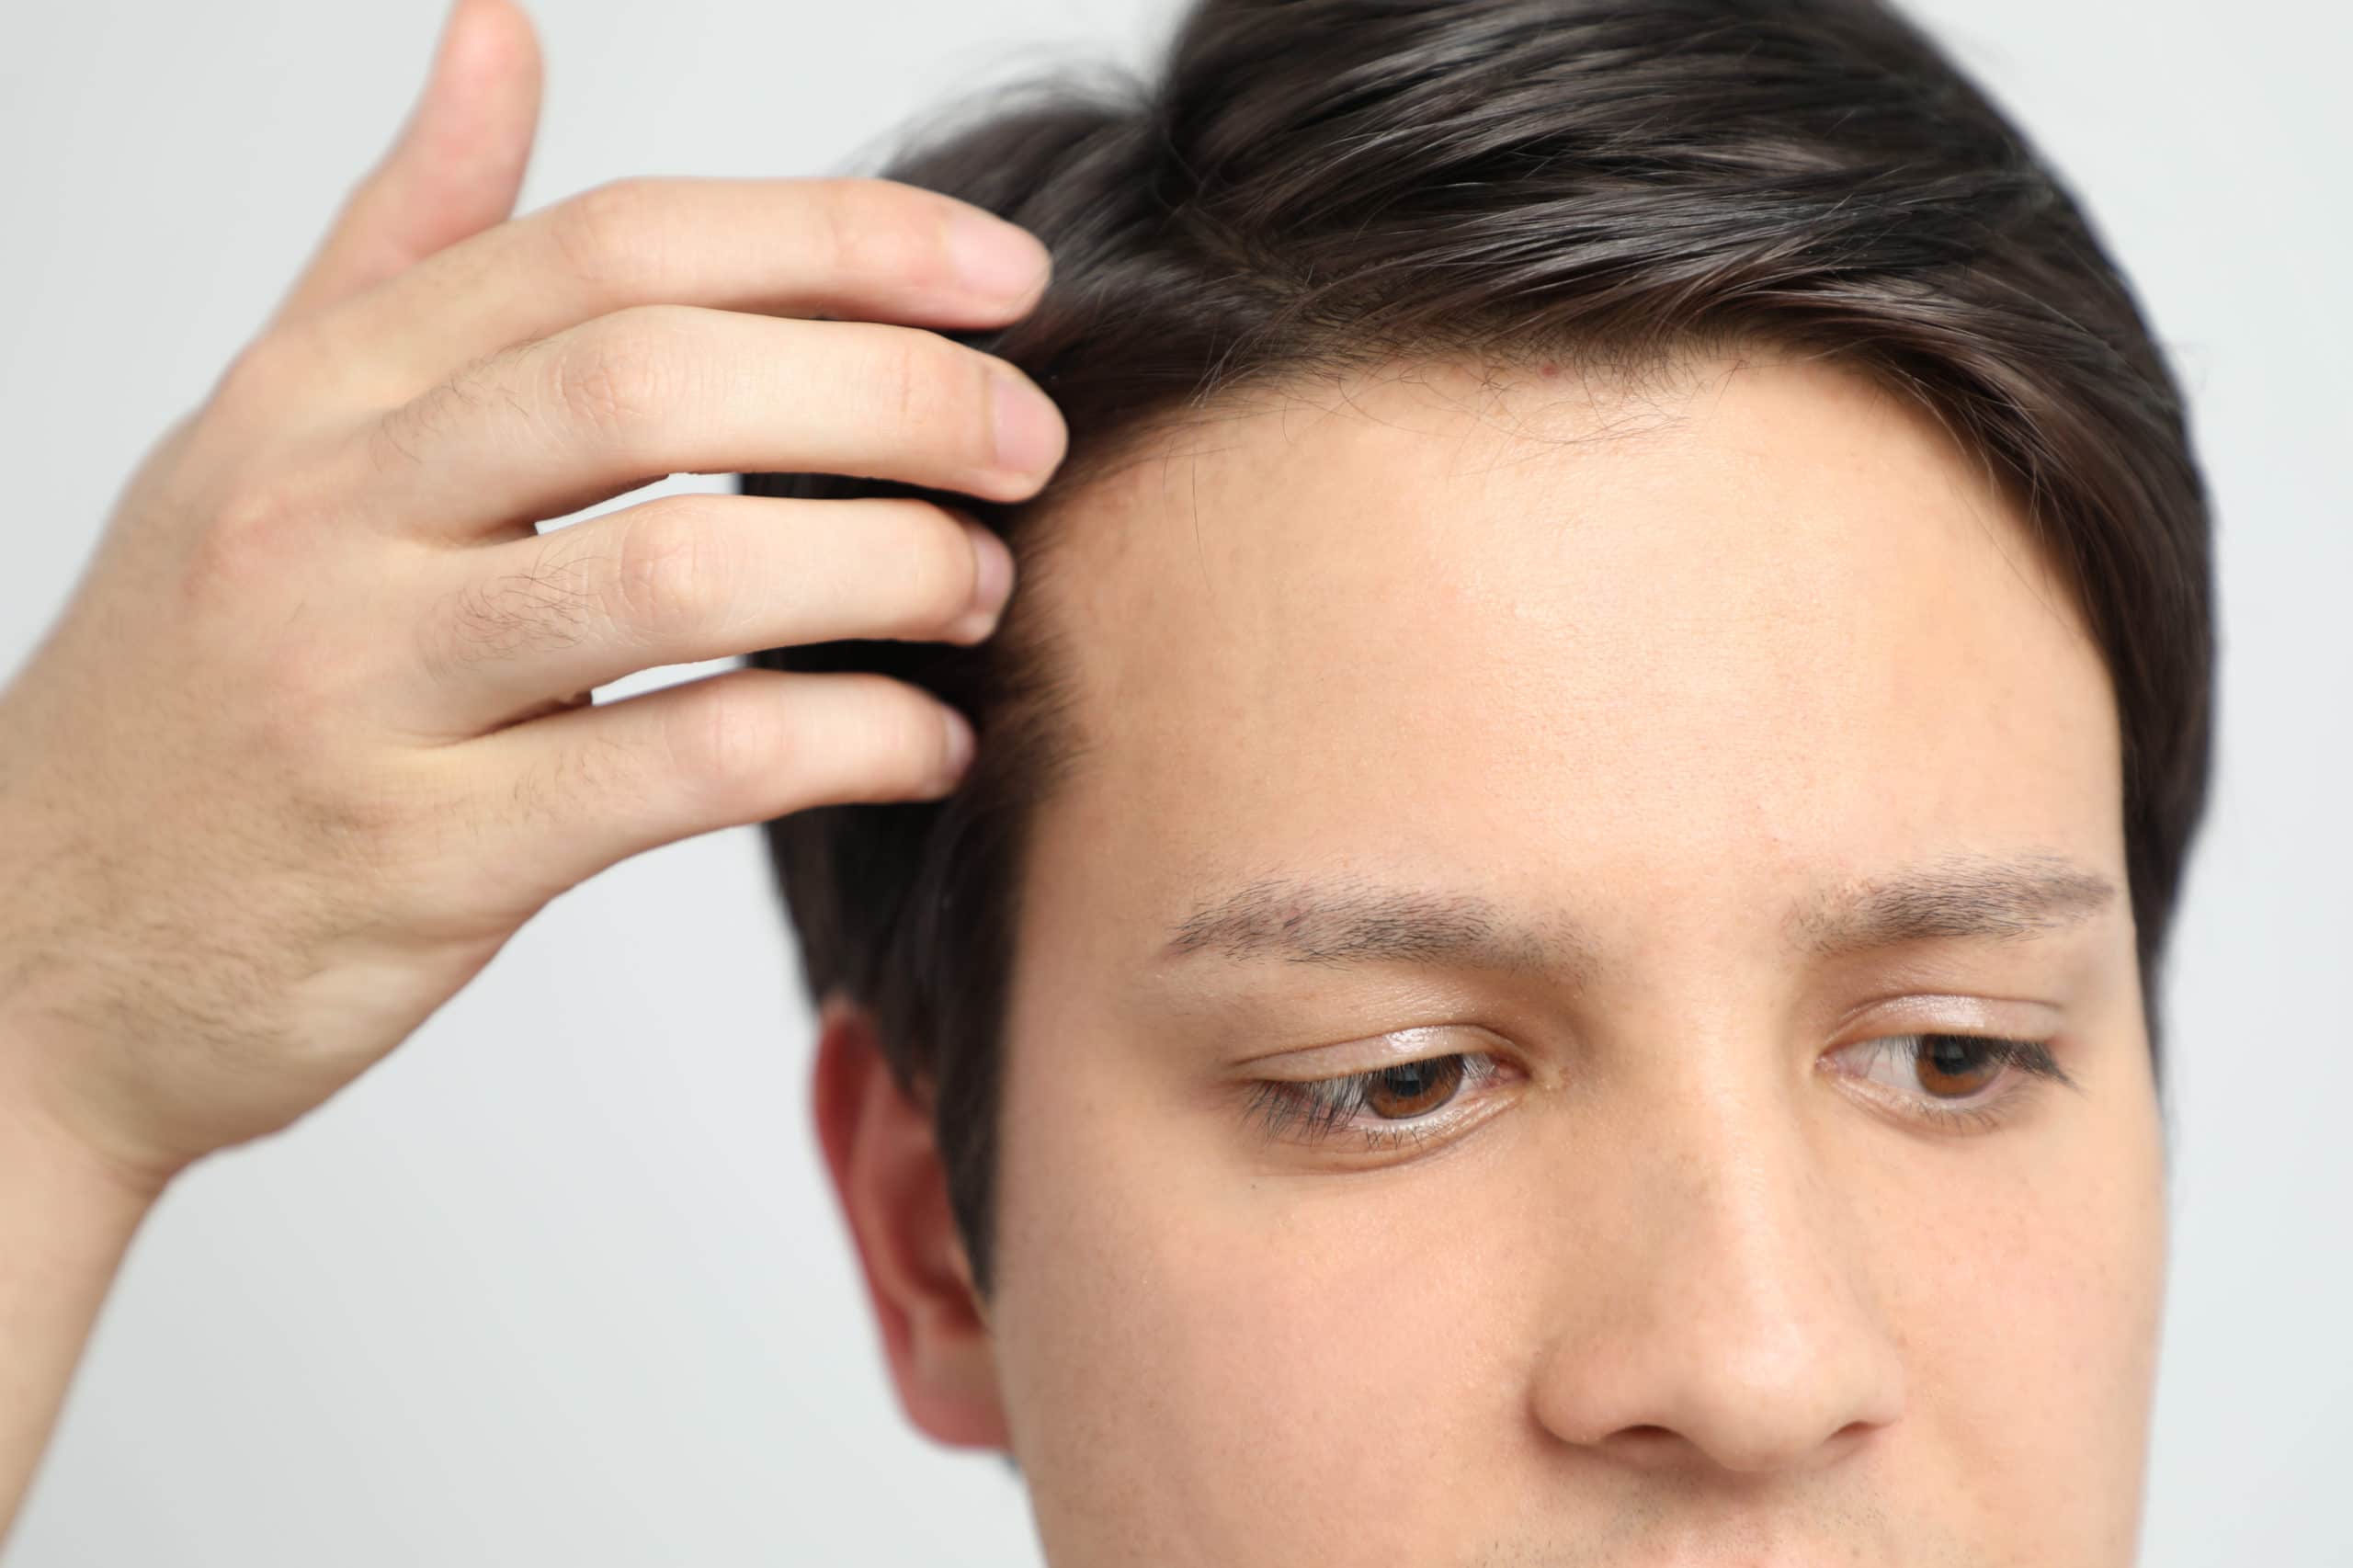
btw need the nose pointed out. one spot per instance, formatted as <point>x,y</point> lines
<point>1723,1314</point>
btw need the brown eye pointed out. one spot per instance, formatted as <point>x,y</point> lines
<point>1956,1066</point>
<point>1413,1103</point>
<point>1413,1088</point>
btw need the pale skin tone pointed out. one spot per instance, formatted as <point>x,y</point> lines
<point>1673,1269</point>
<point>1666,1279</point>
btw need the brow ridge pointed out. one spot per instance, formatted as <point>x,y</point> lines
<point>1351,920</point>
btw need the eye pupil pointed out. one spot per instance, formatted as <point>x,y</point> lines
<point>1412,1087</point>
<point>1954,1065</point>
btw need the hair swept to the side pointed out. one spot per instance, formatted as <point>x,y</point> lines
<point>1302,186</point>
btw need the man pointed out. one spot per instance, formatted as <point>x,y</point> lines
<point>1547,952</point>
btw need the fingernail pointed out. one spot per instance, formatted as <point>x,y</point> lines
<point>1027,428</point>
<point>992,580</point>
<point>998,260</point>
<point>960,744</point>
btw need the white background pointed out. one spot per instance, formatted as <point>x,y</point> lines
<point>561,1282</point>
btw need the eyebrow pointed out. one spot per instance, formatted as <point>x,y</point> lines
<point>1349,920</point>
<point>1969,897</point>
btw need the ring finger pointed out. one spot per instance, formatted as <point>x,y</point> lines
<point>684,578</point>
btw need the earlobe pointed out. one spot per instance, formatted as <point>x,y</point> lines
<point>893,1188</point>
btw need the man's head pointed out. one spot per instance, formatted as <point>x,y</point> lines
<point>1631,575</point>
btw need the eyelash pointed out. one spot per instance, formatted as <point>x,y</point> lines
<point>1313,1109</point>
<point>1320,1106</point>
<point>1992,1104</point>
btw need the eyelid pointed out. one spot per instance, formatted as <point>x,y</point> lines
<point>1930,1012</point>
<point>1395,1048</point>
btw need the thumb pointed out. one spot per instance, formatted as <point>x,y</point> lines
<point>455,170</point>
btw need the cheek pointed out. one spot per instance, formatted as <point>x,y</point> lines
<point>1240,1367</point>
<point>2030,1332</point>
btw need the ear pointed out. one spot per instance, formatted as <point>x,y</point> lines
<point>893,1193</point>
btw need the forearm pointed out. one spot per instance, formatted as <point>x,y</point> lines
<point>66,1219</point>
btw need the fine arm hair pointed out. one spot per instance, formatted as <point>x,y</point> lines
<point>1298,190</point>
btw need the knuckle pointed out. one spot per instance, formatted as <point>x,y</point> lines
<point>290,727</point>
<point>365,820</point>
<point>268,368</point>
<point>926,747</point>
<point>249,545</point>
<point>934,562</point>
<point>901,729</point>
<point>671,578</point>
<point>883,228</point>
<point>255,512</point>
<point>720,742</point>
<point>893,372</point>
<point>609,234</point>
<point>832,222</point>
<point>932,389</point>
<point>616,373</point>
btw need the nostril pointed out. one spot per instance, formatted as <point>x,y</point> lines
<point>1645,1439</point>
<point>1855,1433</point>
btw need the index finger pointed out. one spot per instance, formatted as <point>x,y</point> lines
<point>850,247</point>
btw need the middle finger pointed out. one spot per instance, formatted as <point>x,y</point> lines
<point>546,428</point>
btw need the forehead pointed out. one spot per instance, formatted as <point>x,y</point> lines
<point>1711,637</point>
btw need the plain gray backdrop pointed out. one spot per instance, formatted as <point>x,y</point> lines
<point>562,1282</point>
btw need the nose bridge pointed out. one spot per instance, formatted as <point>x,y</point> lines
<point>1734,1309</point>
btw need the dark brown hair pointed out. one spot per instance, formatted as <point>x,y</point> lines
<point>1307,186</point>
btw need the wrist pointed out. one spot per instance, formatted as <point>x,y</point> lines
<point>58,1187</point>
<point>51,1170</point>
<point>68,1213</point>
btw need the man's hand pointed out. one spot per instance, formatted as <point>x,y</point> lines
<point>314,737</point>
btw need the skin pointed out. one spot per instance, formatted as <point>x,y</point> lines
<point>1643,686</point>
<point>1691,1279</point>
<point>316,731</point>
